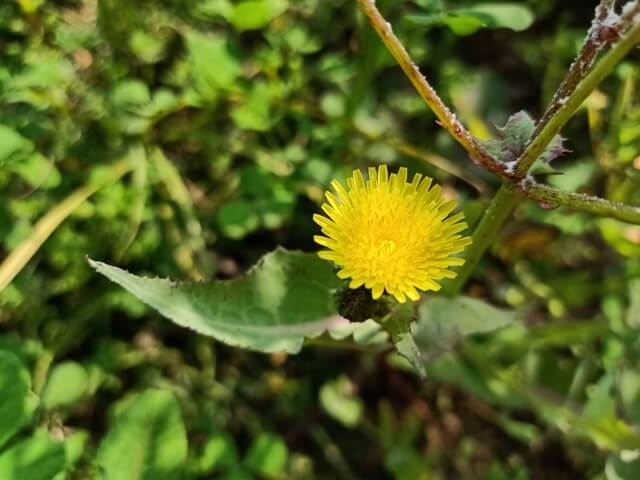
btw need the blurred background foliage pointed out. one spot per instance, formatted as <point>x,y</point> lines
<point>232,118</point>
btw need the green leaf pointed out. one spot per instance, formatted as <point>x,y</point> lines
<point>511,140</point>
<point>237,218</point>
<point>268,455</point>
<point>339,400</point>
<point>212,65</point>
<point>465,21</point>
<point>66,385</point>
<point>624,466</point>
<point>17,404</point>
<point>273,307</point>
<point>147,441</point>
<point>443,322</point>
<point>255,14</point>
<point>13,146</point>
<point>219,451</point>
<point>255,112</point>
<point>38,171</point>
<point>399,325</point>
<point>468,20</point>
<point>37,458</point>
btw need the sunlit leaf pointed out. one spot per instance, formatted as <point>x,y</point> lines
<point>255,14</point>
<point>147,441</point>
<point>442,322</point>
<point>286,297</point>
<point>37,458</point>
<point>268,455</point>
<point>17,404</point>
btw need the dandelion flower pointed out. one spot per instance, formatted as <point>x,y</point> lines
<point>391,235</point>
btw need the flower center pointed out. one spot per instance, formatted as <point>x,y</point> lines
<point>387,246</point>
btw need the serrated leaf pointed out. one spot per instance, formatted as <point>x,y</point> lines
<point>17,404</point>
<point>512,139</point>
<point>286,297</point>
<point>442,322</point>
<point>37,458</point>
<point>147,442</point>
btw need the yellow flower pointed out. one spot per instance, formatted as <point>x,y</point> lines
<point>388,234</point>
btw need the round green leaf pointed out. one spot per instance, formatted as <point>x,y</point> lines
<point>148,440</point>
<point>67,384</point>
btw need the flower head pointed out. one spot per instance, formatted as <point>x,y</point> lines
<point>388,234</point>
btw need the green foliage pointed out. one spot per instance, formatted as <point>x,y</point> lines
<point>260,311</point>
<point>443,322</point>
<point>147,440</point>
<point>17,405</point>
<point>67,384</point>
<point>232,118</point>
<point>512,139</point>
<point>468,20</point>
<point>36,458</point>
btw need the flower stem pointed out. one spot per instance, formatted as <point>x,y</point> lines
<point>596,40</point>
<point>446,118</point>
<point>580,81</point>
<point>485,232</point>
<point>507,197</point>
<point>581,202</point>
<point>570,104</point>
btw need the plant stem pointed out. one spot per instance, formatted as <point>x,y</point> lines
<point>582,202</point>
<point>42,230</point>
<point>595,41</point>
<point>571,103</point>
<point>431,158</point>
<point>581,80</point>
<point>485,232</point>
<point>446,118</point>
<point>507,197</point>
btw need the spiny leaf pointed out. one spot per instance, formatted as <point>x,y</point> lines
<point>286,297</point>
<point>512,139</point>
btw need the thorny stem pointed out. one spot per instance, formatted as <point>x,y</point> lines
<point>580,81</point>
<point>570,104</point>
<point>598,37</point>
<point>485,232</point>
<point>446,118</point>
<point>437,161</point>
<point>578,201</point>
